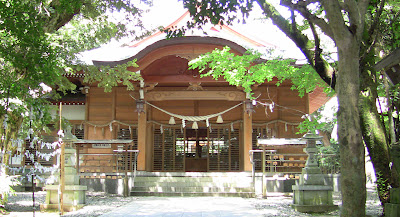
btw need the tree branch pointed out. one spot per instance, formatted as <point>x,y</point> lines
<point>372,31</point>
<point>60,16</point>
<point>335,18</point>
<point>301,7</point>
<point>302,42</point>
<point>299,39</point>
<point>355,19</point>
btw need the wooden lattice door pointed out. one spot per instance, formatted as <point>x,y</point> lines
<point>169,149</point>
<point>223,149</point>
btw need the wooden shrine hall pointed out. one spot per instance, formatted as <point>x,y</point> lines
<point>180,122</point>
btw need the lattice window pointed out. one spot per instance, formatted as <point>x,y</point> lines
<point>126,134</point>
<point>79,131</point>
<point>169,150</point>
<point>158,150</point>
<point>223,149</point>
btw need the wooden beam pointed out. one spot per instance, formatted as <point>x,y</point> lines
<point>389,60</point>
<point>178,78</point>
<point>195,95</point>
<point>391,65</point>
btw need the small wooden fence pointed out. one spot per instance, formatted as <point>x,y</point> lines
<point>113,157</point>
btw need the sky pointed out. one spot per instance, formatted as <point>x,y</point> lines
<point>164,12</point>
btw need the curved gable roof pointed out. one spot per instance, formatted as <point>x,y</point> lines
<point>174,42</point>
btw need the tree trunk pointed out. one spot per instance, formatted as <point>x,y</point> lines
<point>349,131</point>
<point>375,140</point>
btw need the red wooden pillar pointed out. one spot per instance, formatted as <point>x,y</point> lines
<point>142,128</point>
<point>247,139</point>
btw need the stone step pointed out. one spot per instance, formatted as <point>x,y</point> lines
<point>193,194</point>
<point>189,183</point>
<point>192,189</point>
<point>194,174</point>
<point>193,184</point>
<point>194,179</point>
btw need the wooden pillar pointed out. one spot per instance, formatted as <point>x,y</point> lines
<point>247,139</point>
<point>149,147</point>
<point>87,104</point>
<point>142,128</point>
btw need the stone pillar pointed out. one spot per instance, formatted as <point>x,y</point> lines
<point>392,209</point>
<point>312,194</point>
<point>74,195</point>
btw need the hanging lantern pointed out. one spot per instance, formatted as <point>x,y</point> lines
<point>140,106</point>
<point>249,108</point>
<point>219,119</point>
<point>195,126</point>
<point>172,121</point>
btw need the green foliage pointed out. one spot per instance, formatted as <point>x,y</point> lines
<point>218,11</point>
<point>310,126</point>
<point>249,69</point>
<point>39,43</point>
<point>108,77</point>
<point>328,157</point>
<point>214,12</point>
<point>318,122</point>
<point>383,186</point>
<point>389,26</point>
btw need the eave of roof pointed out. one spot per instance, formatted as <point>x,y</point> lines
<point>391,65</point>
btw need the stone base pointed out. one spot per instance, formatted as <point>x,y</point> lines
<point>67,207</point>
<point>74,197</point>
<point>313,198</point>
<point>392,210</point>
<point>314,208</point>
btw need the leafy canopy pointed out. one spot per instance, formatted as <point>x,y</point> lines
<point>40,42</point>
<point>250,69</point>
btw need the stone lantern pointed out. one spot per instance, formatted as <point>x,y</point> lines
<point>74,195</point>
<point>312,194</point>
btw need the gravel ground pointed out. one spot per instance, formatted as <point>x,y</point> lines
<point>281,206</point>
<point>100,203</point>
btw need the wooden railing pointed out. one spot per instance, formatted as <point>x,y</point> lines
<point>289,164</point>
<point>120,161</point>
<point>277,162</point>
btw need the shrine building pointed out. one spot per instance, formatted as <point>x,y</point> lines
<point>180,122</point>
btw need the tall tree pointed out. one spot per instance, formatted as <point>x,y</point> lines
<point>354,27</point>
<point>40,43</point>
